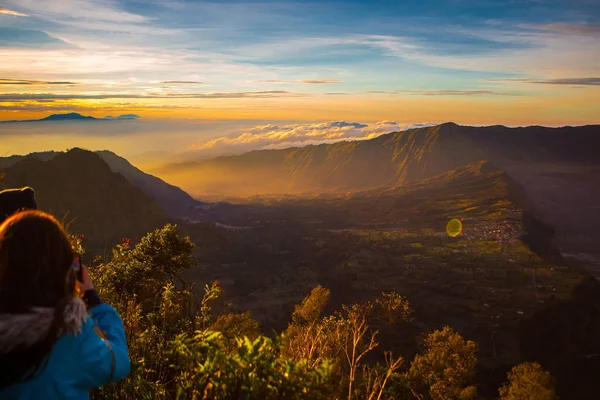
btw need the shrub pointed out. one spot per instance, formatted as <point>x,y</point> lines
<point>528,381</point>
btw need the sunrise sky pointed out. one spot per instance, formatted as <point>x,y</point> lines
<point>270,67</point>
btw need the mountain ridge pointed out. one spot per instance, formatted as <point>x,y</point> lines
<point>73,116</point>
<point>174,201</point>
<point>389,159</point>
<point>79,187</point>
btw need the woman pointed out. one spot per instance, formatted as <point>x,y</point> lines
<point>50,344</point>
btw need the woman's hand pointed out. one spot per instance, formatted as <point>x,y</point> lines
<point>86,282</point>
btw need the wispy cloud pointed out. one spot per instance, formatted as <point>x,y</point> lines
<point>37,107</point>
<point>273,136</point>
<point>443,92</point>
<point>325,81</point>
<point>70,10</point>
<point>181,82</point>
<point>591,81</point>
<point>5,81</point>
<point>11,12</point>
<point>12,97</point>
<point>572,29</point>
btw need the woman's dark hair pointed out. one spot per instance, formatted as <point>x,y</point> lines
<point>35,265</point>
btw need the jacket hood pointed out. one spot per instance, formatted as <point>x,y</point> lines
<point>24,330</point>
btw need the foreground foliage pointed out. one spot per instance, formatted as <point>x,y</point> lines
<point>181,350</point>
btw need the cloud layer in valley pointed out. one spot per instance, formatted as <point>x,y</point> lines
<point>273,136</point>
<point>162,142</point>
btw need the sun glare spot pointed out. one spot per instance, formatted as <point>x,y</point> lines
<point>454,228</point>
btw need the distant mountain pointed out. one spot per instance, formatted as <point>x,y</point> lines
<point>78,117</point>
<point>124,116</point>
<point>387,160</point>
<point>66,117</point>
<point>173,200</point>
<point>80,187</point>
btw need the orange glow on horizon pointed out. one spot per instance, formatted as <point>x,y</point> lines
<point>582,107</point>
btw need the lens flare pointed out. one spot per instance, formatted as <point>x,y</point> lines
<point>454,228</point>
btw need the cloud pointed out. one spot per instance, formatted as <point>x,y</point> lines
<point>303,81</point>
<point>590,81</point>
<point>443,92</point>
<point>180,82</point>
<point>274,136</point>
<point>573,29</point>
<point>6,81</point>
<point>320,81</point>
<point>83,10</point>
<point>28,39</point>
<point>42,107</point>
<point>11,12</point>
<point>12,97</point>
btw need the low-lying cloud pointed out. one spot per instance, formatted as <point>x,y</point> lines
<point>443,92</point>
<point>181,82</point>
<point>588,81</point>
<point>326,81</point>
<point>273,136</point>
<point>13,97</point>
<point>6,81</point>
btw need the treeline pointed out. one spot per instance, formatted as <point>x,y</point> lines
<point>181,349</point>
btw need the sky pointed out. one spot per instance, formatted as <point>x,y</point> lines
<point>216,77</point>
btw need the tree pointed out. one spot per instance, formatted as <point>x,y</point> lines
<point>233,326</point>
<point>528,381</point>
<point>160,257</point>
<point>377,377</point>
<point>447,368</point>
<point>143,284</point>
<point>357,338</point>
<point>345,338</point>
<point>312,306</point>
<point>308,337</point>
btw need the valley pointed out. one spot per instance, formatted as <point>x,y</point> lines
<point>503,271</point>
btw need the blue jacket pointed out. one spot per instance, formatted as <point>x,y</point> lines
<point>79,360</point>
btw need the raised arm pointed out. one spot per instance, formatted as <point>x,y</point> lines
<point>103,354</point>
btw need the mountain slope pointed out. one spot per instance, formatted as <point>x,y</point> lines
<point>172,199</point>
<point>80,187</point>
<point>389,159</point>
